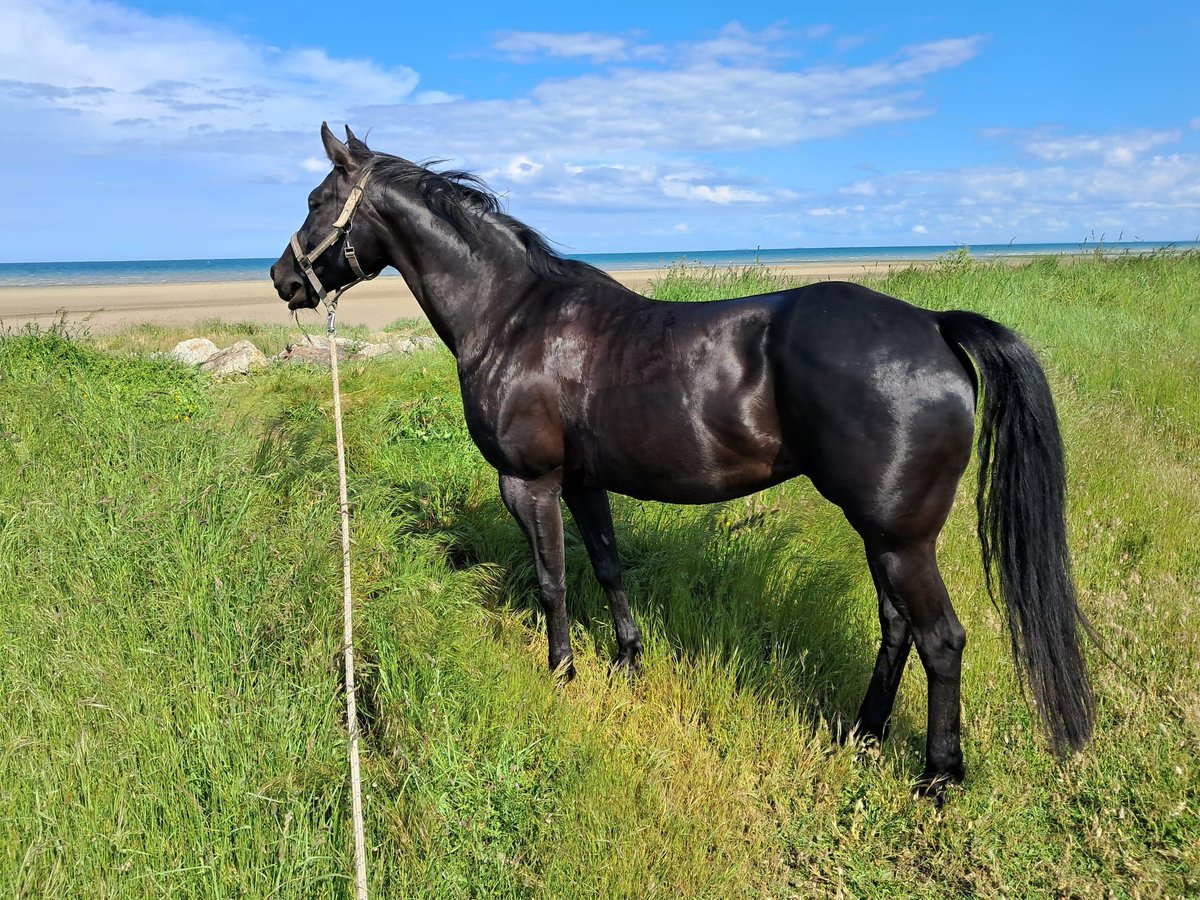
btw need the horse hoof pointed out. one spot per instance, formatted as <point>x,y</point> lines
<point>564,671</point>
<point>627,665</point>
<point>932,785</point>
<point>863,735</point>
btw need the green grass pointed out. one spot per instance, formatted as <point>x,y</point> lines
<point>170,717</point>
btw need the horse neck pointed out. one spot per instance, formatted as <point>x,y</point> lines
<point>465,294</point>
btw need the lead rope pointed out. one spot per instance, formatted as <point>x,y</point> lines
<point>360,841</point>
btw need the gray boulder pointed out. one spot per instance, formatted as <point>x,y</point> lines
<point>315,350</point>
<point>194,351</point>
<point>239,359</point>
<point>321,342</point>
<point>308,355</point>
<point>412,344</point>
<point>369,351</point>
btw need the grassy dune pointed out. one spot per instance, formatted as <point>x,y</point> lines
<point>170,625</point>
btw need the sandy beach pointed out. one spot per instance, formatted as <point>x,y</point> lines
<point>375,304</point>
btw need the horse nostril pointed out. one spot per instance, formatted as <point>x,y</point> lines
<point>289,286</point>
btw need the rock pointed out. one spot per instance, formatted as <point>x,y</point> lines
<point>236,360</point>
<point>369,351</point>
<point>315,351</point>
<point>194,351</point>
<point>306,354</point>
<point>321,342</point>
<point>413,343</point>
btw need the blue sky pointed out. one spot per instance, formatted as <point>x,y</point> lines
<point>190,129</point>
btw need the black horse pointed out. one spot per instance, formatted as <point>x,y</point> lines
<point>574,386</point>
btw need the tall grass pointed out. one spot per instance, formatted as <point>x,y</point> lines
<point>169,713</point>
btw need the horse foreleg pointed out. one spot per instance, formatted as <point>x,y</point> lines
<point>535,505</point>
<point>594,518</point>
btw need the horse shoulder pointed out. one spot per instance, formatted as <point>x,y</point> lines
<point>510,401</point>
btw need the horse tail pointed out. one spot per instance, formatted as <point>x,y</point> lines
<point>1021,501</point>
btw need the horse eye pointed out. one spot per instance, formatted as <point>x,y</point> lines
<point>313,204</point>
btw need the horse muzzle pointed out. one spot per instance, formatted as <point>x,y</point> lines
<point>291,288</point>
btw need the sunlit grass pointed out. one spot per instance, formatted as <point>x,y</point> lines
<point>169,627</point>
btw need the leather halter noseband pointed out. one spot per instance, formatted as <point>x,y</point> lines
<point>340,229</point>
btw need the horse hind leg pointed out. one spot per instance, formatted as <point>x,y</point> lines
<point>594,519</point>
<point>875,712</point>
<point>898,496</point>
<point>915,609</point>
<point>913,584</point>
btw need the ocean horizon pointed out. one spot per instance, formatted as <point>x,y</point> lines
<point>184,271</point>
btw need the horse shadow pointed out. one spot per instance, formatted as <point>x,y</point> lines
<point>773,590</point>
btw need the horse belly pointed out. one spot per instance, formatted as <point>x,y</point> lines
<point>671,446</point>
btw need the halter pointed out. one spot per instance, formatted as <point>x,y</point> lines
<point>340,229</point>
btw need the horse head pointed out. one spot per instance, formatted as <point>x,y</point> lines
<point>308,270</point>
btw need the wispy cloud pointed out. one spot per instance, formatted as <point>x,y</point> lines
<point>738,44</point>
<point>1116,148</point>
<point>693,106</point>
<point>111,70</point>
<point>642,131</point>
<point>1112,183</point>
<point>527,46</point>
<point>616,186</point>
<point>131,82</point>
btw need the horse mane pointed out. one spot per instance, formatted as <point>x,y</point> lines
<point>464,201</point>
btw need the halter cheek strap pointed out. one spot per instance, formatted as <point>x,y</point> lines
<point>340,229</point>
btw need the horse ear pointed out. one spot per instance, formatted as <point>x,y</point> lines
<point>358,149</point>
<point>339,153</point>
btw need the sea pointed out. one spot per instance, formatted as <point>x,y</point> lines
<point>182,271</point>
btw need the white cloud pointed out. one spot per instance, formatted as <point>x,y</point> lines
<point>1137,193</point>
<point>1116,149</point>
<point>117,75</point>
<point>428,97</point>
<point>736,43</point>
<point>859,188</point>
<point>821,212</point>
<point>721,194</point>
<point>615,186</point>
<point>695,106</point>
<point>526,46</point>
<point>522,168</point>
<point>626,136</point>
<point>129,83</point>
<point>641,132</point>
